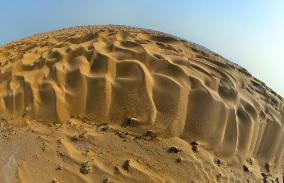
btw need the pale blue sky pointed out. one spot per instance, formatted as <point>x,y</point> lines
<point>248,32</point>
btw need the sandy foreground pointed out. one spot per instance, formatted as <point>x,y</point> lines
<point>122,104</point>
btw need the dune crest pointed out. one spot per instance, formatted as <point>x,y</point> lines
<point>154,81</point>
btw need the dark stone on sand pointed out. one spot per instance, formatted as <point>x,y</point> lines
<point>85,168</point>
<point>174,149</point>
<point>246,169</point>
<point>150,134</point>
<point>126,165</point>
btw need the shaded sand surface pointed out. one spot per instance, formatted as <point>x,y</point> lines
<point>122,104</point>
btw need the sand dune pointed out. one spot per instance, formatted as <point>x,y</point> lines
<point>133,93</point>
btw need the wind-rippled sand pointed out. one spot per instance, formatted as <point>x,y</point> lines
<point>122,104</point>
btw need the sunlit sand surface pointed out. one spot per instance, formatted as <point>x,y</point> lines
<point>122,104</point>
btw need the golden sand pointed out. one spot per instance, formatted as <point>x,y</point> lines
<point>121,104</point>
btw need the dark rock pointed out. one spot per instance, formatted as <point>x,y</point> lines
<point>250,161</point>
<point>179,160</point>
<point>267,167</point>
<point>62,154</point>
<point>263,175</point>
<point>74,138</point>
<point>150,134</point>
<point>85,168</point>
<point>194,148</point>
<point>194,143</point>
<point>246,169</point>
<point>116,170</point>
<point>174,149</point>
<point>219,162</point>
<point>126,165</point>
<point>59,141</point>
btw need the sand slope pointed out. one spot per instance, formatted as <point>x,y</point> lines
<point>135,81</point>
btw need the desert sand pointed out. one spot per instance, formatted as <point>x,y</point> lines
<point>123,104</point>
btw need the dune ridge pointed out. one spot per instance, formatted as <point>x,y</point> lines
<point>167,85</point>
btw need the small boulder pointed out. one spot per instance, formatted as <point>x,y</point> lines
<point>219,162</point>
<point>74,138</point>
<point>246,169</point>
<point>250,161</point>
<point>85,168</point>
<point>267,167</point>
<point>194,143</point>
<point>126,165</point>
<point>194,148</point>
<point>179,160</point>
<point>150,134</point>
<point>174,149</point>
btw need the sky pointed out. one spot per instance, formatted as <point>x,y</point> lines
<point>247,32</point>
